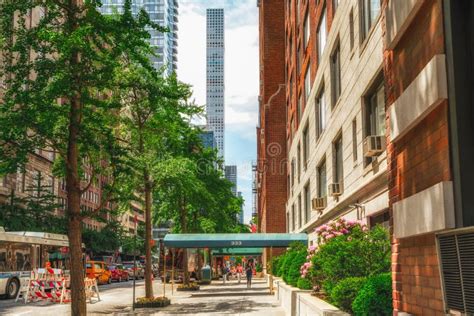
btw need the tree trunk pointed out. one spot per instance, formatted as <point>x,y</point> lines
<point>148,237</point>
<point>73,187</point>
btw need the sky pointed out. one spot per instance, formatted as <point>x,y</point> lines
<point>241,77</point>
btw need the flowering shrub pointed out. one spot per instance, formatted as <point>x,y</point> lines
<point>338,228</point>
<point>304,269</point>
<point>358,253</point>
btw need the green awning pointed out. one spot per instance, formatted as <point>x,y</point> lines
<point>232,240</point>
<point>237,252</point>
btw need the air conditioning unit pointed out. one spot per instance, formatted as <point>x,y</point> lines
<point>319,203</point>
<point>374,145</point>
<point>335,189</point>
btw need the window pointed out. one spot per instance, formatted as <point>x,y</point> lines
<point>293,217</point>
<point>322,35</point>
<point>298,150</point>
<point>307,82</point>
<point>351,29</point>
<point>299,109</point>
<point>321,178</point>
<point>305,147</point>
<point>300,212</point>
<point>382,219</point>
<point>306,30</point>
<point>338,172</point>
<point>369,12</point>
<point>292,172</point>
<point>307,202</point>
<point>354,139</point>
<point>335,4</point>
<point>292,127</point>
<point>320,113</point>
<point>287,222</point>
<point>336,75</point>
<point>375,112</point>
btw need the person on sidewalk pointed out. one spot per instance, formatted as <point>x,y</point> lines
<point>249,273</point>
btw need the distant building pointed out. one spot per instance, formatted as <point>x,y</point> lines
<point>164,13</point>
<point>215,76</point>
<point>241,214</point>
<point>231,175</point>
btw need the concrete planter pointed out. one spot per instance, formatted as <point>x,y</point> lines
<point>298,302</point>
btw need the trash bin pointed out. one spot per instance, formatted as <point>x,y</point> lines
<point>206,274</point>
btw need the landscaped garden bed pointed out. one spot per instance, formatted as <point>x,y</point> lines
<point>143,302</point>
<point>350,267</point>
<point>188,287</point>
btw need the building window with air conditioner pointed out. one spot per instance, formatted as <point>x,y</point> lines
<point>335,188</point>
<point>319,203</point>
<point>374,121</point>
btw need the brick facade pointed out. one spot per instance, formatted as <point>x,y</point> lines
<point>271,136</point>
<point>416,161</point>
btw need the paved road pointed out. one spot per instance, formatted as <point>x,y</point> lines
<point>215,299</point>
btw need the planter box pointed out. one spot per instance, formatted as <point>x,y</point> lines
<point>309,305</point>
<point>298,302</point>
<point>162,303</point>
<point>187,289</point>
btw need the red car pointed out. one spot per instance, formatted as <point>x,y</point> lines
<point>119,273</point>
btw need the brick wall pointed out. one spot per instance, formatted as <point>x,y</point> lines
<point>417,161</point>
<point>271,135</point>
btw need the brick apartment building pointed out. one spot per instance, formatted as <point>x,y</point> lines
<point>378,118</point>
<point>428,70</point>
<point>271,135</point>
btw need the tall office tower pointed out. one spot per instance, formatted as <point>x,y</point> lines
<point>231,175</point>
<point>215,76</point>
<point>164,13</point>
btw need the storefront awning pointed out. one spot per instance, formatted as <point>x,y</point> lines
<point>237,252</point>
<point>232,240</point>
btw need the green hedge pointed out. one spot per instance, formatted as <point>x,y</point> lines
<point>297,260</point>
<point>276,262</point>
<point>375,297</point>
<point>344,293</point>
<point>304,284</point>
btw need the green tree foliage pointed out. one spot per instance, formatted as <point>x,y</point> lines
<point>345,291</point>
<point>57,74</point>
<point>287,259</point>
<point>375,297</point>
<point>35,210</point>
<point>359,254</point>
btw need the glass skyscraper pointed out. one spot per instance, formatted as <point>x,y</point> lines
<point>215,76</point>
<point>164,13</point>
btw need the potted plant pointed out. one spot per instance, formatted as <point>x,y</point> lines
<point>259,270</point>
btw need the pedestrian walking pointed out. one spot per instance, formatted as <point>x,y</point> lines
<point>249,273</point>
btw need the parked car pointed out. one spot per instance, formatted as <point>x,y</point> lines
<point>119,272</point>
<point>99,271</point>
<point>140,270</point>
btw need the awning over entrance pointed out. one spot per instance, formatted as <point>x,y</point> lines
<point>237,252</point>
<point>232,240</point>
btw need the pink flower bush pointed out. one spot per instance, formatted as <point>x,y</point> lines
<point>337,228</point>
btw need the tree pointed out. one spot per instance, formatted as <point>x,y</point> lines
<point>190,183</point>
<point>154,112</point>
<point>57,76</point>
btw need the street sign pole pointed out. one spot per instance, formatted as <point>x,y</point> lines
<point>134,262</point>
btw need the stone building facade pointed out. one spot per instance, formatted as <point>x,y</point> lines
<point>336,114</point>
